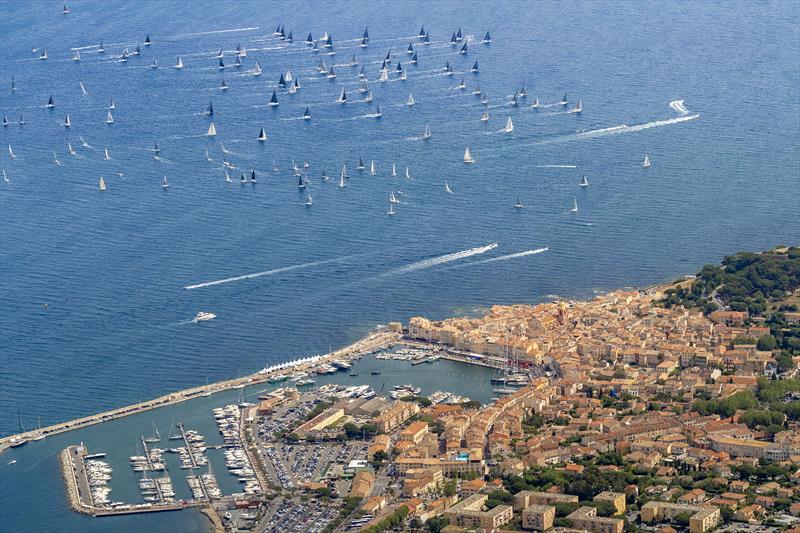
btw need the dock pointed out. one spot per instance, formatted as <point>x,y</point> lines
<point>73,469</point>
<point>371,343</point>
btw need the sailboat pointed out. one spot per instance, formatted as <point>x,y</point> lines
<point>646,163</point>
<point>447,188</point>
<point>584,182</point>
<point>487,38</point>
<point>342,97</point>
<point>252,175</point>
<point>102,184</point>
<point>421,33</point>
<point>509,126</point>
<point>574,206</point>
<point>154,64</point>
<point>296,84</point>
<point>237,62</point>
<point>408,173</point>
<point>109,118</point>
<point>307,114</point>
<point>14,85</point>
<point>212,130</point>
<point>288,76</point>
<point>101,48</point>
<point>65,10</point>
<point>112,105</point>
<point>55,159</point>
<point>519,204</point>
<point>84,143</point>
<point>76,56</point>
<point>83,89</point>
<point>523,93</point>
<point>410,101</point>
<point>474,67</point>
<point>394,170</point>
<point>147,41</point>
<point>106,155</point>
<point>5,121</point>
<point>301,183</point>
<point>309,201</point>
<point>124,57</point>
<point>368,97</point>
<point>11,153</point>
<point>384,75</point>
<point>360,164</point>
<point>210,109</point>
<point>403,75</point>
<point>273,102</point>
<point>156,435</point>
<point>391,211</point>
<point>179,63</point>
<point>463,48</point>
<point>515,99</point>
<point>413,60</point>
<point>221,65</point>
<point>71,150</point>
<point>448,69</point>
<point>427,39</point>
<point>427,133</point>
<point>485,116</point>
<point>67,121</point>
<point>290,37</point>
<point>342,176</point>
<point>5,178</point>
<point>331,73</point>
<point>410,49</point>
<point>309,40</point>
<point>535,103</point>
<point>262,135</point>
<point>563,99</point>
<point>209,158</point>
<point>282,81</point>
<point>578,108</point>
<point>156,150</point>
<point>257,69</point>
<point>468,156</point>
<point>477,91</point>
<point>243,178</point>
<point>227,177</point>
<point>462,84</point>
<point>21,120</point>
<point>362,74</point>
<point>372,171</point>
<point>43,56</point>
<point>223,86</point>
<point>378,112</point>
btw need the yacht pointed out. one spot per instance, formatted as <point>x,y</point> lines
<point>519,204</point>
<point>165,184</point>
<point>584,182</point>
<point>468,156</point>
<point>203,316</point>
<point>646,163</point>
<point>574,206</point>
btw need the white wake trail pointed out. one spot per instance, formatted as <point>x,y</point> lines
<point>265,273</point>
<point>678,106</point>
<point>213,32</point>
<point>442,259</point>
<point>503,258</point>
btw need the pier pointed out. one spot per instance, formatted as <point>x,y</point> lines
<point>190,450</point>
<point>371,343</point>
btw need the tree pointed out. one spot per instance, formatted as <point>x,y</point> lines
<point>449,489</point>
<point>437,523</point>
<point>767,343</point>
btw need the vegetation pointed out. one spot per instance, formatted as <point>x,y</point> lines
<point>726,407</point>
<point>748,282</point>
<point>350,505</point>
<point>437,523</point>
<point>393,520</point>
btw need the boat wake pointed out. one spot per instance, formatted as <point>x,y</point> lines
<point>213,32</point>
<point>622,128</point>
<point>442,259</point>
<point>508,257</point>
<point>265,273</point>
<point>555,166</point>
<point>678,106</point>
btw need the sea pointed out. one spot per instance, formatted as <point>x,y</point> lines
<point>98,289</point>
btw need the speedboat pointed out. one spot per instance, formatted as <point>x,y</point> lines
<point>202,315</point>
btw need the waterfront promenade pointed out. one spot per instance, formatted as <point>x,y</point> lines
<point>373,342</point>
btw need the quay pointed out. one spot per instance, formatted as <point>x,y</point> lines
<point>79,495</point>
<point>373,342</point>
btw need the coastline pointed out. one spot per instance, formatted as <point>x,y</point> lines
<point>377,340</point>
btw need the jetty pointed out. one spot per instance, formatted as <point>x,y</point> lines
<point>375,341</point>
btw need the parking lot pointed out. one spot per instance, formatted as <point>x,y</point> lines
<point>294,515</point>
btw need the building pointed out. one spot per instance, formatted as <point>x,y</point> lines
<point>586,518</point>
<point>617,499</point>
<point>538,517</point>
<point>414,432</point>
<point>525,498</point>
<point>320,422</point>
<point>703,518</point>
<point>395,416</point>
<point>419,481</point>
<point>362,483</point>
<point>456,463</point>
<point>468,513</point>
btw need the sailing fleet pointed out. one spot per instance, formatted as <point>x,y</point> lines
<point>290,84</point>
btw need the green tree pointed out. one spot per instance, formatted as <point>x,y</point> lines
<point>767,343</point>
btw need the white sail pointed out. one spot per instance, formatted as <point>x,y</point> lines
<point>574,206</point>
<point>427,134</point>
<point>55,159</point>
<point>578,108</point>
<point>384,75</point>
<point>67,121</point>
<point>584,182</point>
<point>485,116</point>
<point>11,153</point>
<point>342,184</point>
<point>109,118</point>
<point>509,126</point>
<point>342,97</point>
<point>390,212</point>
<point>410,101</point>
<point>106,156</point>
<point>394,169</point>
<point>164,185</point>
<point>83,89</point>
<point>468,156</point>
<point>393,199</point>
<point>447,188</point>
<point>535,104</point>
<point>179,63</point>
<point>77,56</point>
<point>102,184</point>
<point>70,149</point>
<point>372,168</point>
<point>646,163</point>
<point>227,177</point>
<point>212,130</point>
<point>408,173</point>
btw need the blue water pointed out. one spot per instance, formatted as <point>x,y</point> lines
<point>112,266</point>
